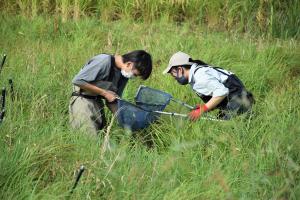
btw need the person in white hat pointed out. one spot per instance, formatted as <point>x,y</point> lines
<point>218,88</point>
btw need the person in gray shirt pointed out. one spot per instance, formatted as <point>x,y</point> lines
<point>104,77</point>
<point>218,88</point>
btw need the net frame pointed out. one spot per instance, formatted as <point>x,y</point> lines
<point>168,97</point>
<point>154,99</point>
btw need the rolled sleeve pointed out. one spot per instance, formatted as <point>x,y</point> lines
<point>76,81</point>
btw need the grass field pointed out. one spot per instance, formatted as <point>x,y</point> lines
<point>255,158</point>
<point>261,17</point>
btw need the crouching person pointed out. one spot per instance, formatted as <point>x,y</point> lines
<point>103,78</point>
<point>218,88</point>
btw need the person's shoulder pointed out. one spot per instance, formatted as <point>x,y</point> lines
<point>202,74</point>
<point>102,57</point>
<point>200,70</point>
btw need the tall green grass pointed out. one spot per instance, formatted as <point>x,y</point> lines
<point>271,18</point>
<point>256,158</point>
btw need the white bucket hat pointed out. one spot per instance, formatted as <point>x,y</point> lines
<point>178,59</point>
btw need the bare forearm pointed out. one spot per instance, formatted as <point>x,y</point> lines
<point>94,89</point>
<point>214,101</point>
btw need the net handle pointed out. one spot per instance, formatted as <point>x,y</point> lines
<point>171,113</point>
<point>183,103</point>
<point>185,115</point>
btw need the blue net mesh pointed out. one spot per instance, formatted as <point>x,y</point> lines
<point>139,116</point>
<point>134,118</point>
<point>152,99</point>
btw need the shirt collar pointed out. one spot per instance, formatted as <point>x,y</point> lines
<point>191,74</point>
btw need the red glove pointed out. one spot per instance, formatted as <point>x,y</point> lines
<point>197,112</point>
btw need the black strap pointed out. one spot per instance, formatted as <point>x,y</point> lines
<point>198,67</point>
<point>86,96</point>
<point>218,69</point>
<point>116,77</point>
<point>215,68</point>
<point>112,70</point>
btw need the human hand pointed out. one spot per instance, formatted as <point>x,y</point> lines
<point>110,96</point>
<point>197,112</point>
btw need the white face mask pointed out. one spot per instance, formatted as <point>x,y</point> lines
<point>127,74</point>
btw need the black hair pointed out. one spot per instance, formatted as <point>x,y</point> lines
<point>186,66</point>
<point>199,62</point>
<point>142,62</point>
